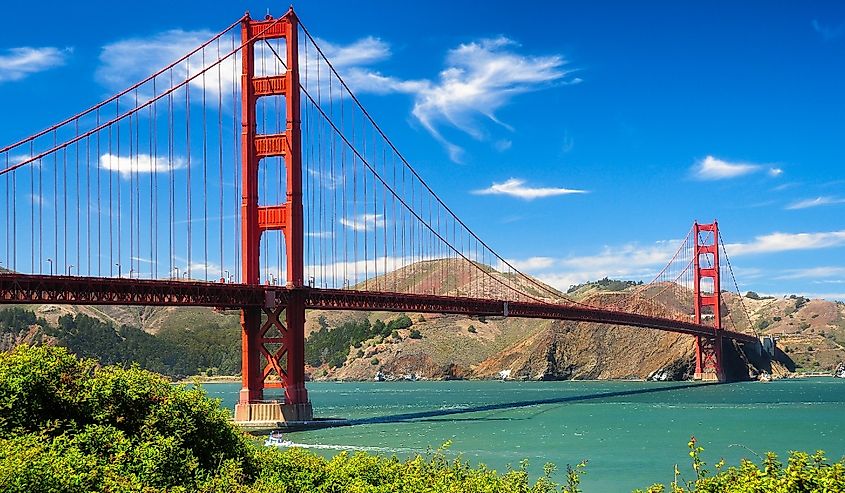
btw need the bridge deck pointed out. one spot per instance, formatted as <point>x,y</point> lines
<point>34,289</point>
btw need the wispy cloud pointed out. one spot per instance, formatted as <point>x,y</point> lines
<point>816,202</point>
<point>828,32</point>
<point>784,242</point>
<point>813,273</point>
<point>364,222</point>
<point>629,261</point>
<point>634,261</point>
<point>479,78</point>
<point>128,61</point>
<point>18,63</point>
<point>711,168</point>
<point>516,187</point>
<point>141,163</point>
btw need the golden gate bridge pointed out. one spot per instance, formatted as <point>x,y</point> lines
<point>246,175</point>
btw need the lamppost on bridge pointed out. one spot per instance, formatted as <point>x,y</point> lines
<point>227,276</point>
<point>118,269</point>
<point>51,265</point>
<point>177,272</point>
<point>69,268</point>
<point>131,270</point>
<point>311,281</point>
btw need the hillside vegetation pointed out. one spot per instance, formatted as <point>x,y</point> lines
<point>173,352</point>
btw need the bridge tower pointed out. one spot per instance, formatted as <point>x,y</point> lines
<point>273,337</point>
<point>707,292</point>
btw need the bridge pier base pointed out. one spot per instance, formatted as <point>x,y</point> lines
<point>708,359</point>
<point>271,413</point>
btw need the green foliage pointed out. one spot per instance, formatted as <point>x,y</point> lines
<point>374,361</point>
<point>68,425</point>
<point>471,329</point>
<point>403,322</point>
<point>331,345</point>
<point>174,352</point>
<point>415,334</point>
<point>605,284</point>
<point>803,473</point>
<point>17,319</point>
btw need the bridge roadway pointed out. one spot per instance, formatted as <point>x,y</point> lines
<point>76,290</point>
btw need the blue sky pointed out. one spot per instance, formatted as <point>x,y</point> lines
<point>580,139</point>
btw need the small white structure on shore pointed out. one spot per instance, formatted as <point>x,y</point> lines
<point>504,375</point>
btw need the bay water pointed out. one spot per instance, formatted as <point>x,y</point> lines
<point>632,433</point>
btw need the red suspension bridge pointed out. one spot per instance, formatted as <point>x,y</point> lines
<point>246,175</point>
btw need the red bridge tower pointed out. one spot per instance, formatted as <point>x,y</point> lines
<point>273,337</point>
<point>708,298</point>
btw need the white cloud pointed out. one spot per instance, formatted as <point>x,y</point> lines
<point>634,261</point>
<point>816,202</point>
<point>631,261</point>
<point>711,168</point>
<point>126,62</point>
<point>479,79</point>
<point>813,273</point>
<point>774,172</point>
<point>531,264</point>
<point>783,242</point>
<point>516,188</point>
<point>503,145</point>
<point>364,51</point>
<point>364,222</point>
<point>141,163</point>
<point>18,63</point>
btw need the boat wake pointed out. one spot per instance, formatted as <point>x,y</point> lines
<point>352,448</point>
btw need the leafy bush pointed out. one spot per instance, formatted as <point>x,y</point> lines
<point>803,473</point>
<point>415,334</point>
<point>67,425</point>
<point>471,329</point>
<point>402,322</point>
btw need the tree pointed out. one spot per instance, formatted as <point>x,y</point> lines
<point>415,334</point>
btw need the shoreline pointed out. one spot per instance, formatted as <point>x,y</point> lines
<point>236,379</point>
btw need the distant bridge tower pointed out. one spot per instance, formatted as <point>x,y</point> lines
<point>273,338</point>
<point>707,291</point>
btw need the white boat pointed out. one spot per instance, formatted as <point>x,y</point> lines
<point>276,439</point>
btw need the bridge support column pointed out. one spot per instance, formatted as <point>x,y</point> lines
<point>273,339</point>
<point>708,300</point>
<point>708,359</point>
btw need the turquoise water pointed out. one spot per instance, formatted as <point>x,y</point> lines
<point>631,439</point>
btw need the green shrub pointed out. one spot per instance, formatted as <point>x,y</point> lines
<point>471,329</point>
<point>415,334</point>
<point>803,473</point>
